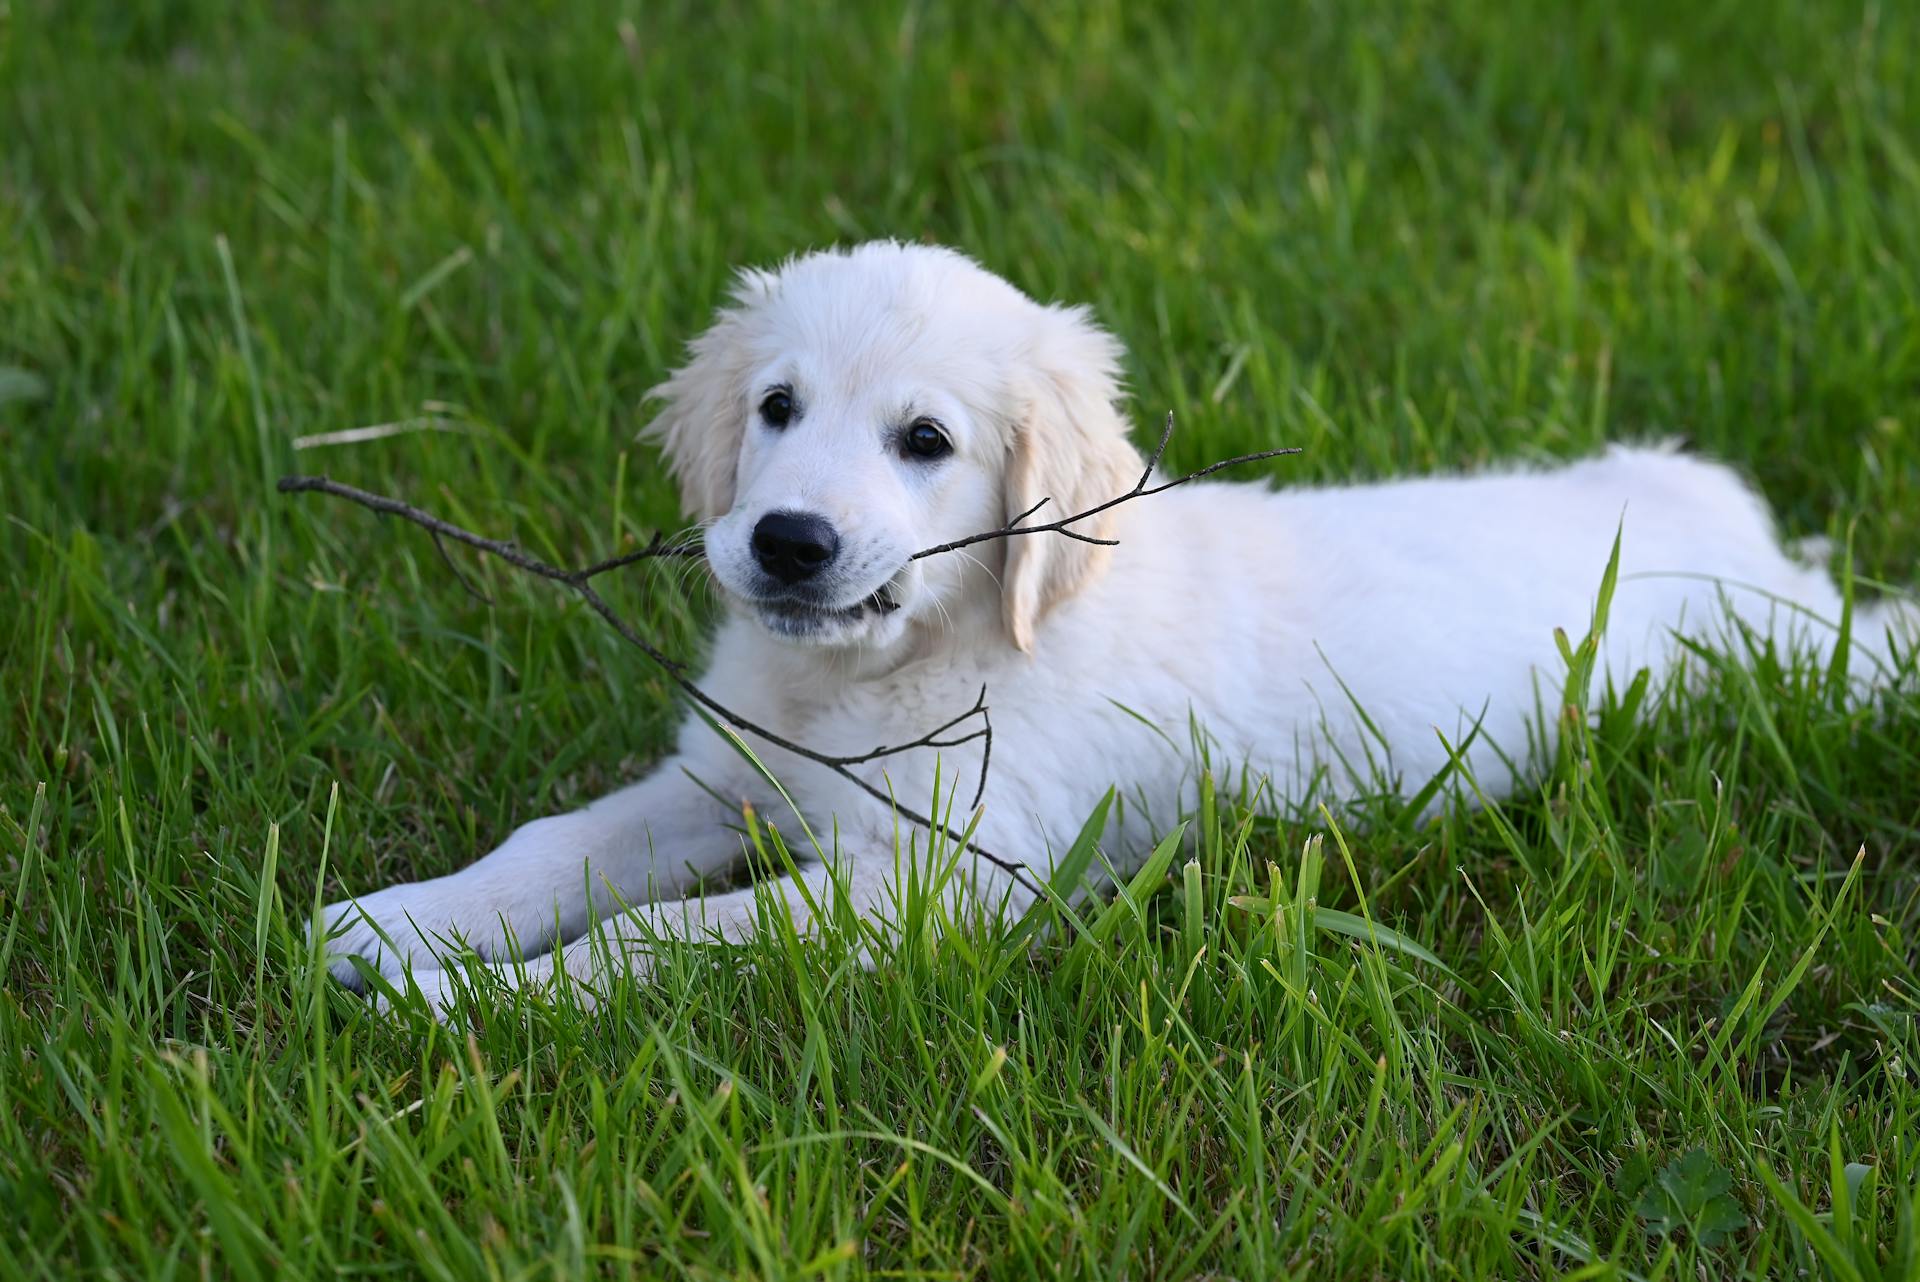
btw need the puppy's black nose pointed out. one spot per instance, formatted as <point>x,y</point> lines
<point>791,546</point>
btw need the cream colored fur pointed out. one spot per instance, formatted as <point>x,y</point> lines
<point>1270,618</point>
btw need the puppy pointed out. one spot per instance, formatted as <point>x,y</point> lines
<point>853,408</point>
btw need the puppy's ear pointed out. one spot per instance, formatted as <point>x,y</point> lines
<point>1069,447</point>
<point>704,414</point>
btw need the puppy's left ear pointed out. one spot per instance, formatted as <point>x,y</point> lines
<point>704,415</point>
<point>1069,447</point>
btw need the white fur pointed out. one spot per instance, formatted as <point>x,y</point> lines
<point>1269,618</point>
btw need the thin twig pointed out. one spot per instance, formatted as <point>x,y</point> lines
<point>472,590</point>
<point>986,750</point>
<point>1140,490</point>
<point>931,737</point>
<point>655,548</point>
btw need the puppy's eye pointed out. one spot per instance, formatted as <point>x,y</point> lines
<point>925,440</point>
<point>777,408</point>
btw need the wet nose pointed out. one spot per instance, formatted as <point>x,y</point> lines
<point>792,546</point>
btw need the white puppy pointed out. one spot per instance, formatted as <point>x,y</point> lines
<point>855,407</point>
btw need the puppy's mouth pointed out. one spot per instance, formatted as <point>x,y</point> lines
<point>791,616</point>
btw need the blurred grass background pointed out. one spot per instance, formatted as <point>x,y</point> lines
<point>1405,236</point>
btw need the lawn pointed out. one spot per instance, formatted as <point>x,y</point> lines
<point>1670,1032</point>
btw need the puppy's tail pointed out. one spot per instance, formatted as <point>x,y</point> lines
<point>1887,636</point>
<point>1886,633</point>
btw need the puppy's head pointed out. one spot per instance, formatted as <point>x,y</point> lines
<point>853,408</point>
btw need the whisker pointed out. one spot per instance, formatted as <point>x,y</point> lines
<point>962,552</point>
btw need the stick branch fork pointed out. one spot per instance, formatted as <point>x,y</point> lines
<point>1014,528</point>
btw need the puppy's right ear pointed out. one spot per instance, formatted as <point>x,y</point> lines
<point>704,410</point>
<point>1070,448</point>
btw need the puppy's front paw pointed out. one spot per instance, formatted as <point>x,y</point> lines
<point>454,992</point>
<point>529,892</point>
<point>439,988</point>
<point>417,925</point>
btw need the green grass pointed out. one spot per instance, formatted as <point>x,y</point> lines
<point>1674,1035</point>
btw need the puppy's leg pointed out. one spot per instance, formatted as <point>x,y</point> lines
<point>549,881</point>
<point>622,946</point>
